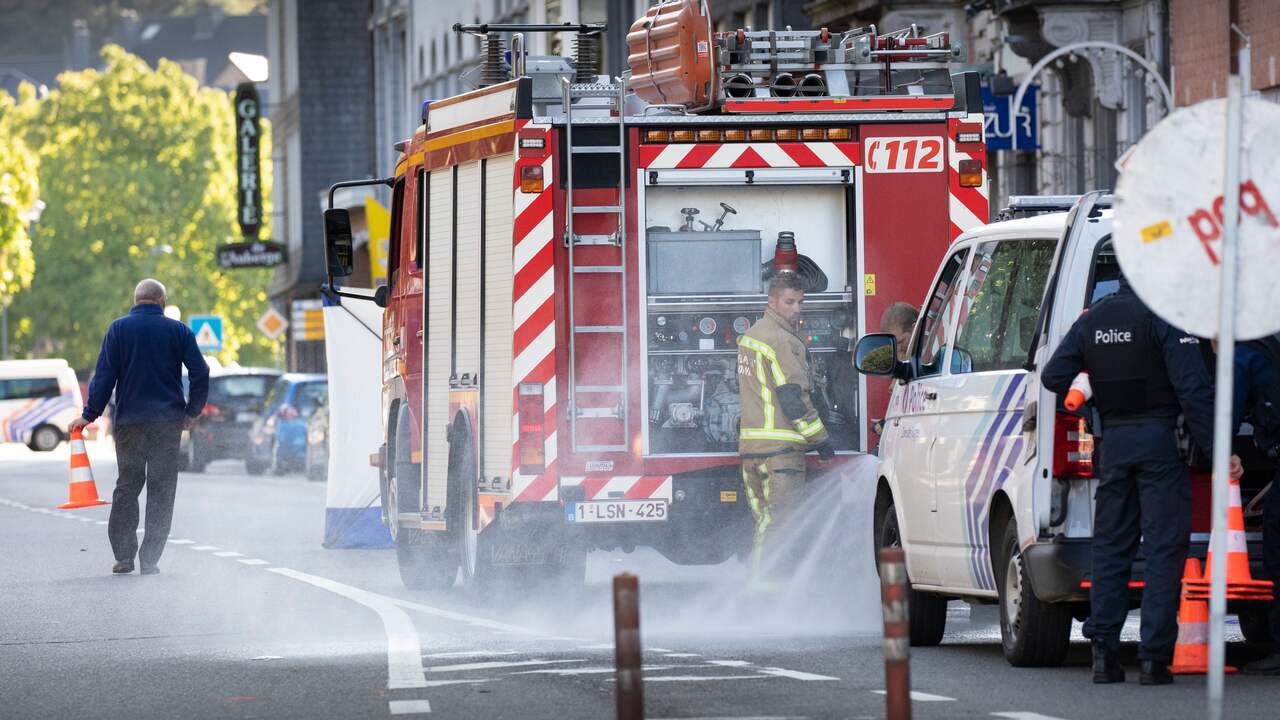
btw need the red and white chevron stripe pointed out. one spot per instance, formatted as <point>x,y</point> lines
<point>750,155</point>
<point>969,206</point>
<point>533,316</point>
<point>624,487</point>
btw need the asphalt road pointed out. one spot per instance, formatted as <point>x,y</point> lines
<point>251,618</point>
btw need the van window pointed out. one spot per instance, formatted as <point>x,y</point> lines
<point>239,386</point>
<point>1106,272</point>
<point>1002,303</point>
<point>28,388</point>
<point>929,345</point>
<point>420,221</point>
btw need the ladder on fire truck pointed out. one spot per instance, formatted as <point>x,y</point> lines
<point>617,271</point>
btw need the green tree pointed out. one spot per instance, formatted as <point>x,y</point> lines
<point>18,195</point>
<point>136,170</point>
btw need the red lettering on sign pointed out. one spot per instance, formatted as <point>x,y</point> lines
<point>1207,224</point>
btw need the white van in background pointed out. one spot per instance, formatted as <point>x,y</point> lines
<point>38,399</point>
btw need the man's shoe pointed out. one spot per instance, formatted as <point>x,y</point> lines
<point>1155,672</point>
<point>123,567</point>
<point>149,570</point>
<point>1269,665</point>
<point>1106,666</point>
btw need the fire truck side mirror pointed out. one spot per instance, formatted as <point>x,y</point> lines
<point>380,296</point>
<point>338,245</point>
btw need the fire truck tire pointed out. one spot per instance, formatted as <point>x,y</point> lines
<point>464,504</point>
<point>928,612</point>
<point>1034,633</point>
<point>426,560</point>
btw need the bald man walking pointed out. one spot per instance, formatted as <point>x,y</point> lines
<point>141,360</point>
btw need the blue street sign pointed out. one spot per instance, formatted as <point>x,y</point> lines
<point>208,330</point>
<point>1001,121</point>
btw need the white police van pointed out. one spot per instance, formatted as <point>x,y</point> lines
<point>38,399</point>
<point>984,479</point>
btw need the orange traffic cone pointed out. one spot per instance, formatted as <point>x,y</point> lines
<point>1240,582</point>
<point>1191,654</point>
<point>84,492</point>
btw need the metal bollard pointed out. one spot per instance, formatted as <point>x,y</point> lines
<point>626,644</point>
<point>897,634</point>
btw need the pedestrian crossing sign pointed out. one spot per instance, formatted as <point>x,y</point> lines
<point>208,330</point>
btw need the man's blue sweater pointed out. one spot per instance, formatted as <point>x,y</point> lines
<point>142,357</point>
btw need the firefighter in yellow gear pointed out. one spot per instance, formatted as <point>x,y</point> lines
<point>779,421</point>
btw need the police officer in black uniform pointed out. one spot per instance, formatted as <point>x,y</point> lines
<point>1143,373</point>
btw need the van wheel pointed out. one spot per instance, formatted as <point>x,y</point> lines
<point>1033,633</point>
<point>426,560</point>
<point>927,613</point>
<point>45,438</point>
<point>1255,626</point>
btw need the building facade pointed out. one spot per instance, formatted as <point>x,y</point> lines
<point>321,60</point>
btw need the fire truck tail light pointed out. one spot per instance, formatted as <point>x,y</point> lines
<point>970,173</point>
<point>837,133</point>
<point>682,136</point>
<point>813,134</point>
<point>657,136</point>
<point>531,179</point>
<point>1072,447</point>
<point>735,135</point>
<point>761,134</point>
<point>710,136</point>
<point>532,429</point>
<point>787,134</point>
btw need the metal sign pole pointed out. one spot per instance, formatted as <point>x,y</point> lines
<point>1223,402</point>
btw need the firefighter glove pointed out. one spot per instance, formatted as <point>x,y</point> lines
<point>791,398</point>
<point>825,451</point>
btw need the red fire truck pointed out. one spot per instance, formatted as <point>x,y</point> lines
<point>574,257</point>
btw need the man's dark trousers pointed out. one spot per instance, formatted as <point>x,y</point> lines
<point>1271,551</point>
<point>146,454</point>
<point>1145,492</point>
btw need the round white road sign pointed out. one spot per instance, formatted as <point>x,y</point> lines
<point>1168,218</point>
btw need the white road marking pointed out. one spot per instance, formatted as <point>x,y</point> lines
<point>468,681</point>
<point>469,653</point>
<point>268,657</point>
<point>730,663</point>
<point>205,547</point>
<point>682,655</point>
<point>229,553</point>
<point>493,665</point>
<point>404,651</point>
<point>702,678</point>
<point>182,542</point>
<point>101,522</point>
<point>253,561</point>
<point>594,670</point>
<point>794,674</point>
<point>923,696</point>
<point>598,646</point>
<point>459,617</point>
<point>1023,715</point>
<point>409,707</point>
<point>662,650</point>
<point>84,519</point>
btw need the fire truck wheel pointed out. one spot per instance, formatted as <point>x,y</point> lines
<point>464,505</point>
<point>426,560</point>
<point>1034,633</point>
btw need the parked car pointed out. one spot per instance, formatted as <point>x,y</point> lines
<point>985,478</point>
<point>234,405</point>
<point>279,438</point>
<point>38,398</point>
<point>317,465</point>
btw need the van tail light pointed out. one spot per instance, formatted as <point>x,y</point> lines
<point>970,173</point>
<point>1072,447</point>
<point>288,412</point>
<point>532,429</point>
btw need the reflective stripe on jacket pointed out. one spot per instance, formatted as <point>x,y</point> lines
<point>770,355</point>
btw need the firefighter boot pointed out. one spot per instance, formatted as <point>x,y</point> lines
<point>1155,672</point>
<point>1106,665</point>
